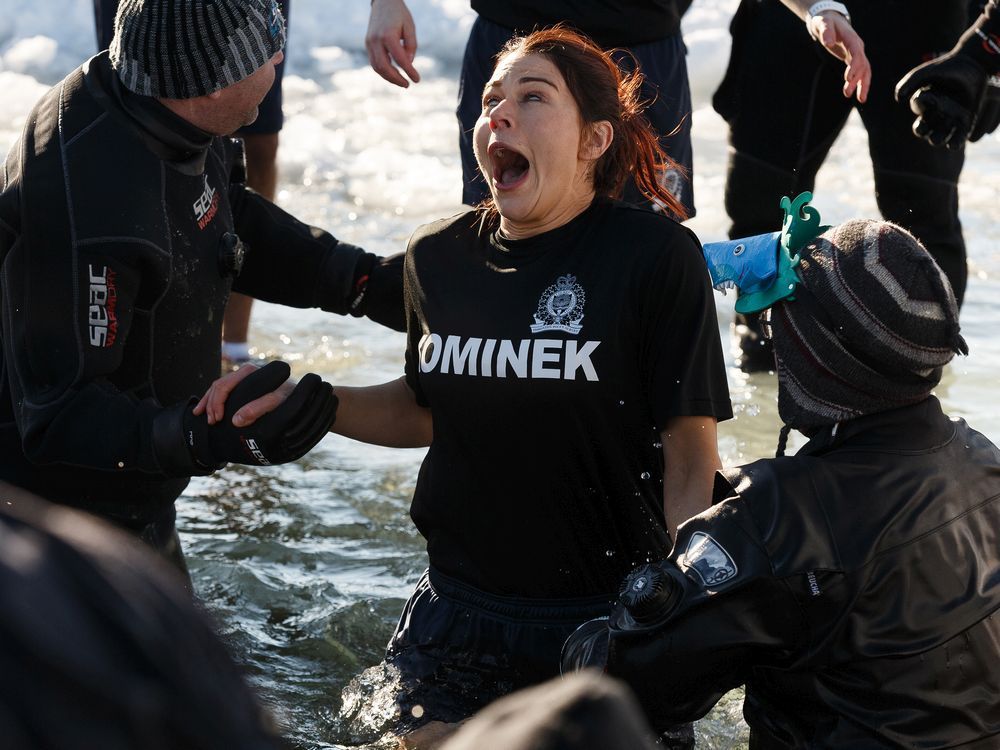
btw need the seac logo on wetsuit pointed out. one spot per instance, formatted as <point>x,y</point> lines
<point>102,317</point>
<point>206,206</point>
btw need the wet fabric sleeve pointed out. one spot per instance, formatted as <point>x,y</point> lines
<point>68,310</point>
<point>291,263</point>
<point>728,614</point>
<point>414,327</point>
<point>683,367</point>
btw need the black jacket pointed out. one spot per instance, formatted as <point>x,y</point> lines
<point>113,213</point>
<point>852,588</point>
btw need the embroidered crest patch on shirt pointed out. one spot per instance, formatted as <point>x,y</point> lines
<point>560,307</point>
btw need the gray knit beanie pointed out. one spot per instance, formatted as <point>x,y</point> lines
<point>869,329</point>
<point>179,49</point>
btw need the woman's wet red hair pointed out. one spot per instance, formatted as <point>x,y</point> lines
<point>602,91</point>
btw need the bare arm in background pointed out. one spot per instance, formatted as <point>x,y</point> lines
<point>834,31</point>
<point>391,40</point>
<point>690,460</point>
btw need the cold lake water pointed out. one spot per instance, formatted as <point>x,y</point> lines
<point>306,566</point>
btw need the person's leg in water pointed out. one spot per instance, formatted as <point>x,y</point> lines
<point>486,39</point>
<point>260,143</point>
<point>261,151</point>
<point>784,107</point>
<point>457,649</point>
<point>104,22</point>
<point>665,86</point>
<point>916,184</point>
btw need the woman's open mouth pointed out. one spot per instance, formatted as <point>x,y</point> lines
<point>510,169</point>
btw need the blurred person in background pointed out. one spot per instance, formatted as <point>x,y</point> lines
<point>102,647</point>
<point>781,97</point>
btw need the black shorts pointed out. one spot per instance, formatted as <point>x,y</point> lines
<point>270,117</point>
<point>457,648</point>
<point>663,63</point>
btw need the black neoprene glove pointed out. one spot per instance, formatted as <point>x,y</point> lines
<point>952,95</point>
<point>282,435</point>
<point>186,444</point>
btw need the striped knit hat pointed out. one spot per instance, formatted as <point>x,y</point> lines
<point>869,329</point>
<point>180,49</point>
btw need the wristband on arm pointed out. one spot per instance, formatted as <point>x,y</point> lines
<point>824,5</point>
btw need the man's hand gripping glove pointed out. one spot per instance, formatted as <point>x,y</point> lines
<point>284,434</point>
<point>954,97</point>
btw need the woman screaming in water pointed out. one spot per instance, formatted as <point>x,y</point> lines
<point>563,366</point>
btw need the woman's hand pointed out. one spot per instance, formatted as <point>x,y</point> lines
<point>213,403</point>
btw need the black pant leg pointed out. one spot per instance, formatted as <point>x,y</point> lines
<point>916,185</point>
<point>486,39</point>
<point>104,21</point>
<point>782,99</point>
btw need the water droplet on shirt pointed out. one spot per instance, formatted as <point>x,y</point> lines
<point>609,553</point>
<point>621,403</point>
<point>644,475</point>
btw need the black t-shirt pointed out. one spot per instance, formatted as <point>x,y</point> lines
<point>550,365</point>
<point>611,23</point>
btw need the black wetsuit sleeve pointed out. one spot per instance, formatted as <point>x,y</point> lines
<point>728,614</point>
<point>68,310</point>
<point>291,263</point>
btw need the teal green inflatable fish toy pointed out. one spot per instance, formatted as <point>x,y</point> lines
<point>762,268</point>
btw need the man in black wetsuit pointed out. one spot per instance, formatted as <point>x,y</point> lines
<point>260,145</point>
<point>781,97</point>
<point>123,218</point>
<point>852,587</point>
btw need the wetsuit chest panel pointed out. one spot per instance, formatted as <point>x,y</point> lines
<point>187,323</point>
